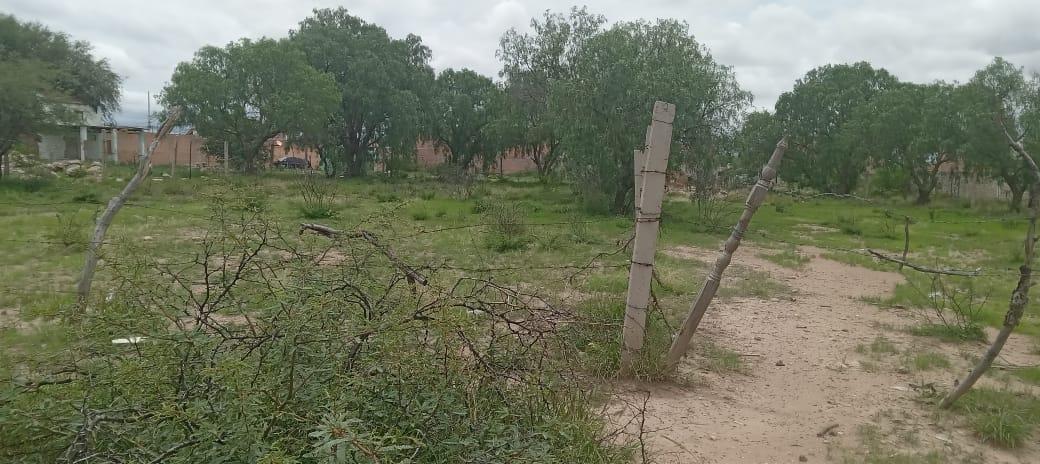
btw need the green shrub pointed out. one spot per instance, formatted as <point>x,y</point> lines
<point>72,232</point>
<point>387,197</point>
<point>506,228</point>
<point>849,225</point>
<point>87,197</point>
<point>318,197</point>
<point>30,184</point>
<point>420,215</point>
<point>579,232</point>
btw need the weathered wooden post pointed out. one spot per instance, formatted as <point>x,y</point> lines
<point>226,158</point>
<point>648,222</point>
<point>758,194</point>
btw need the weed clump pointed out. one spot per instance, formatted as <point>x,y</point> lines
<point>318,197</point>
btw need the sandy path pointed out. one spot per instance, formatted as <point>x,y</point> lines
<point>803,373</point>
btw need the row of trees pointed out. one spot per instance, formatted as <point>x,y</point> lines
<point>844,120</point>
<point>572,85</point>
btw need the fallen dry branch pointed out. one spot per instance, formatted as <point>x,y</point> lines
<point>917,267</point>
<point>828,430</point>
<point>412,274</point>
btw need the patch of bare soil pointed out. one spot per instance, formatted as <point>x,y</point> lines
<point>807,394</point>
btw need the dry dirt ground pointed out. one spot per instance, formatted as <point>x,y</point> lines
<point>803,373</point>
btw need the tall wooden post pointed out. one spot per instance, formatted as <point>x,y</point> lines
<point>226,158</point>
<point>681,343</point>
<point>648,222</point>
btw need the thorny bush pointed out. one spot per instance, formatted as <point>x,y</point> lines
<point>260,345</point>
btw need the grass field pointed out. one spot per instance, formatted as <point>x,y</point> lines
<point>521,232</point>
<point>46,227</point>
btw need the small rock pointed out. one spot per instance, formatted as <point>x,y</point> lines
<point>802,458</point>
<point>712,437</point>
<point>146,237</point>
<point>758,339</point>
<point>780,363</point>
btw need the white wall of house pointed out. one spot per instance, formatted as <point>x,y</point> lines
<point>63,143</point>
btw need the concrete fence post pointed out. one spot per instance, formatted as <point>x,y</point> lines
<point>648,222</point>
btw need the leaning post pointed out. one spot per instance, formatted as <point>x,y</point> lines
<point>648,222</point>
<point>758,193</point>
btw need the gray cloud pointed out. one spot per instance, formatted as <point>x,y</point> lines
<point>769,44</point>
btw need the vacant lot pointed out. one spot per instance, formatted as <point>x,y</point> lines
<point>809,330</point>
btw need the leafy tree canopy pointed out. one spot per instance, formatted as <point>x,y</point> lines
<point>815,113</point>
<point>914,129</point>
<point>462,108</point>
<point>532,63</point>
<point>249,91</point>
<point>1001,96</point>
<point>603,110</point>
<point>383,85</point>
<point>41,68</point>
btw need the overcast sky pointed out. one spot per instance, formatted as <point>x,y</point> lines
<point>769,44</point>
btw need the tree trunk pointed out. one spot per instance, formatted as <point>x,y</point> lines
<point>924,196</point>
<point>1016,197</point>
<point>144,165</point>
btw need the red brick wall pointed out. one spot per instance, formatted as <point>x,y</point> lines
<point>428,155</point>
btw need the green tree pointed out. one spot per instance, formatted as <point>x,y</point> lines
<point>1000,96</point>
<point>462,107</point>
<point>248,92</point>
<point>815,113</point>
<point>603,110</point>
<point>914,130</point>
<point>42,69</point>
<point>532,63</point>
<point>383,86</point>
<point>755,142</point>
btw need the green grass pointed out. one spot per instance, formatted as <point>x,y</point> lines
<point>949,333</point>
<point>926,360</point>
<point>876,449</point>
<point>787,258</point>
<point>1028,374</point>
<point>713,357</point>
<point>754,284</point>
<point>1002,417</point>
<point>879,346</point>
<point>429,223</point>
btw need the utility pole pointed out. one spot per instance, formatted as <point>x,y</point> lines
<point>149,98</point>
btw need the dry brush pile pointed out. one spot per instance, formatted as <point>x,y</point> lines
<point>260,344</point>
